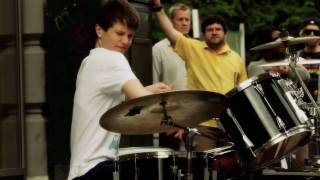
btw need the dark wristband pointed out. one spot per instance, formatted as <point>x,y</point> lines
<point>156,8</point>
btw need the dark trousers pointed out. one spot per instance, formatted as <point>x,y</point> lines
<point>102,171</point>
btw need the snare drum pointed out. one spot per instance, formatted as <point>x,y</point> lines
<point>264,120</point>
<point>145,163</point>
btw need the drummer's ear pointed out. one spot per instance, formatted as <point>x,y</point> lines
<point>98,30</point>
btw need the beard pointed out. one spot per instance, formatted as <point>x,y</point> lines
<point>215,42</point>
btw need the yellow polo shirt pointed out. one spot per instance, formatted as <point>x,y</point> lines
<point>216,71</point>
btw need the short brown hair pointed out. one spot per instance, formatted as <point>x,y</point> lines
<point>117,11</point>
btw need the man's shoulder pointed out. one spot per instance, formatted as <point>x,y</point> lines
<point>164,42</point>
<point>101,54</point>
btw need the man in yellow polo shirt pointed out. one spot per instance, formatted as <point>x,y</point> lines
<point>211,65</point>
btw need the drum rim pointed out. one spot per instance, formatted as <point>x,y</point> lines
<point>150,152</point>
<point>247,83</point>
<point>203,154</point>
<point>287,134</point>
<point>277,139</point>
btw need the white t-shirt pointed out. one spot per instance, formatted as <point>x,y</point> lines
<point>98,88</point>
<point>168,67</point>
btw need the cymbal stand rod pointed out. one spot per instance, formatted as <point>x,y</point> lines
<point>292,65</point>
<point>167,120</point>
<point>190,133</point>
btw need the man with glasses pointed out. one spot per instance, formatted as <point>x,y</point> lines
<point>311,50</point>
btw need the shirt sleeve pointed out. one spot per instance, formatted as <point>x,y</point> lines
<point>116,73</point>
<point>156,64</point>
<point>181,46</point>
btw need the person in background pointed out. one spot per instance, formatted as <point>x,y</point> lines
<point>268,34</point>
<point>103,81</point>
<point>274,54</point>
<point>168,67</point>
<point>211,65</point>
<point>311,50</point>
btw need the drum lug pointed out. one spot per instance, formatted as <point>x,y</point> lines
<point>245,138</point>
<point>115,175</point>
<point>179,175</point>
<point>281,124</point>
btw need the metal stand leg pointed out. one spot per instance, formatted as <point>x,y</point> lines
<point>190,133</point>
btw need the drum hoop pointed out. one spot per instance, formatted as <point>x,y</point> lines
<point>146,153</point>
<point>183,154</point>
<point>282,137</point>
<point>299,129</point>
<point>247,83</point>
<point>273,141</point>
<point>242,86</point>
<point>149,155</point>
<point>289,134</point>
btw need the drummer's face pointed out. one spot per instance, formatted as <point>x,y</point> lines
<point>311,30</point>
<point>117,38</point>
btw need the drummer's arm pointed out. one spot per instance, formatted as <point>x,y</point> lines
<point>134,89</point>
<point>303,72</point>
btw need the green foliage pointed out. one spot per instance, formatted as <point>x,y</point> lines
<point>287,14</point>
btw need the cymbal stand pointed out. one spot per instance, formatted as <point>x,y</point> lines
<point>190,133</point>
<point>293,57</point>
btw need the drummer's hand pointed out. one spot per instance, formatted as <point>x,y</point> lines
<point>315,93</point>
<point>179,134</point>
<point>158,88</point>
<point>280,69</point>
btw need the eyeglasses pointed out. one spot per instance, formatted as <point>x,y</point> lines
<point>308,32</point>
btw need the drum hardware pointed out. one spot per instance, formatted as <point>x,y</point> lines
<point>137,163</point>
<point>270,143</point>
<point>245,138</point>
<point>294,59</point>
<point>154,113</point>
<point>279,121</point>
<point>189,132</point>
<point>315,160</point>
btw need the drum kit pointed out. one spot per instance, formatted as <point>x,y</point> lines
<point>266,118</point>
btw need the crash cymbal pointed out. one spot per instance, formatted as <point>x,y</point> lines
<point>286,62</point>
<point>287,41</point>
<point>144,115</point>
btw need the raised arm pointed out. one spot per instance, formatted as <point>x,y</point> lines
<point>165,24</point>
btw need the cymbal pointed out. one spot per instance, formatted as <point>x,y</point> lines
<point>144,115</point>
<point>286,62</point>
<point>285,41</point>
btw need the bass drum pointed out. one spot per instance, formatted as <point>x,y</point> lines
<point>264,120</point>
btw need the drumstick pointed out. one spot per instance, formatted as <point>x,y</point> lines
<point>174,83</point>
<point>235,78</point>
